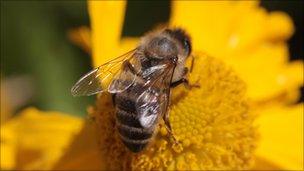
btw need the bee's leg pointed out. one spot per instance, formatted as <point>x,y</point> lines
<point>192,63</point>
<point>177,83</point>
<point>168,126</point>
<point>185,82</point>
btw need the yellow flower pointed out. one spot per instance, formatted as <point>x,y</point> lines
<point>237,41</point>
<point>214,124</point>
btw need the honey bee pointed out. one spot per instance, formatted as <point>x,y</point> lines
<point>140,83</point>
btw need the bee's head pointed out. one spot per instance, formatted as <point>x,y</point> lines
<point>181,36</point>
<point>168,43</point>
<point>161,47</point>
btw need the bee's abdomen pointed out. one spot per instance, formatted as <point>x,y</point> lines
<point>132,134</point>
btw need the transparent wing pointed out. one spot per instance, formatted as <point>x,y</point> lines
<point>154,101</point>
<point>102,78</point>
<point>154,73</point>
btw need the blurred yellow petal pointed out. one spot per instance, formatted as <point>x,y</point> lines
<point>8,147</point>
<point>81,37</point>
<point>106,23</point>
<point>128,43</point>
<point>83,153</point>
<point>277,78</point>
<point>261,163</point>
<point>291,75</point>
<point>281,131</point>
<point>200,19</point>
<point>36,139</point>
<point>251,42</point>
<point>279,26</point>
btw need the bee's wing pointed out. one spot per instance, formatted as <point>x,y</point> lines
<point>102,78</point>
<point>154,101</point>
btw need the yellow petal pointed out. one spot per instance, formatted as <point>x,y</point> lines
<point>8,147</point>
<point>128,43</point>
<point>281,141</point>
<point>278,77</point>
<point>106,23</point>
<point>279,26</point>
<point>83,153</point>
<point>40,136</point>
<point>261,163</point>
<point>81,37</point>
<point>200,19</point>
<point>253,41</point>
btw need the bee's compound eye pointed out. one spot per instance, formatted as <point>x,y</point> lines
<point>182,37</point>
<point>187,46</point>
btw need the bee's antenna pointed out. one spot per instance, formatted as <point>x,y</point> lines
<point>192,63</point>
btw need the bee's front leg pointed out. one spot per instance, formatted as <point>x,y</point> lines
<point>184,81</point>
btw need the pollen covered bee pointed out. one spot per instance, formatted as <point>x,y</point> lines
<point>140,83</point>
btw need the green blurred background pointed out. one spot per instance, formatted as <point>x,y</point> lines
<point>38,59</point>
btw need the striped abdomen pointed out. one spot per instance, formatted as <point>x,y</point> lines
<point>132,133</point>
